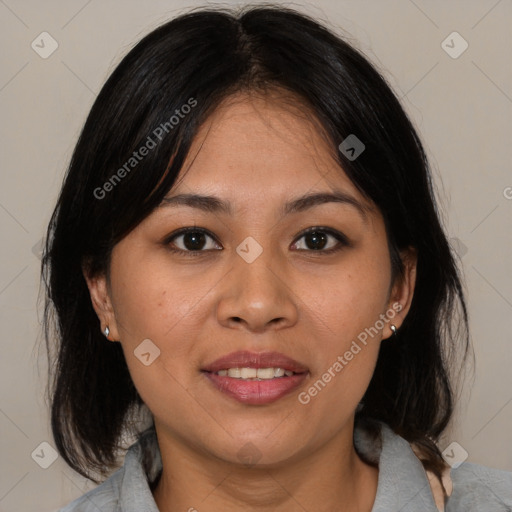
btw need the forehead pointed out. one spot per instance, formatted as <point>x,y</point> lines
<point>262,145</point>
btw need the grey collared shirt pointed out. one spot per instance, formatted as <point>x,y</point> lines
<point>403,485</point>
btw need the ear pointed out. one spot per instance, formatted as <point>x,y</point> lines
<point>101,302</point>
<point>400,298</point>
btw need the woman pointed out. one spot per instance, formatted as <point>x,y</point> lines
<point>246,272</point>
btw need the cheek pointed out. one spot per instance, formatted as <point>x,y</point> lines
<point>164,389</point>
<point>348,310</point>
<point>346,355</point>
<point>158,323</point>
<point>152,298</point>
<point>353,295</point>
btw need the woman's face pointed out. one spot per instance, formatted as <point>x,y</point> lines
<point>253,281</point>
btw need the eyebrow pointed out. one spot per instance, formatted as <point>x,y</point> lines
<point>212,204</point>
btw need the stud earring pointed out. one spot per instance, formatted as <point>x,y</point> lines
<point>106,331</point>
<point>394,329</point>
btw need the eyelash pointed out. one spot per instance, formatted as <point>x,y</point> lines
<point>340,237</point>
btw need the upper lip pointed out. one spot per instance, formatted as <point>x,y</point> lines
<point>246,359</point>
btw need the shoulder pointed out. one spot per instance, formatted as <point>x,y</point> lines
<point>105,497</point>
<point>405,485</point>
<point>477,488</point>
<point>128,489</point>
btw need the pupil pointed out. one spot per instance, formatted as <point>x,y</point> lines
<point>316,237</point>
<point>196,241</point>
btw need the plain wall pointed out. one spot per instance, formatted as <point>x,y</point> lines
<point>461,106</point>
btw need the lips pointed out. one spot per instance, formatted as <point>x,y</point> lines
<point>256,391</point>
<point>246,359</point>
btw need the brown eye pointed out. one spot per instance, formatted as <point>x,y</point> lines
<point>322,240</point>
<point>191,240</point>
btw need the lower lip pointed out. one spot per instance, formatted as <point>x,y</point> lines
<point>256,392</point>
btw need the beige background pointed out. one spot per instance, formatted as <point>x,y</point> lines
<point>462,108</point>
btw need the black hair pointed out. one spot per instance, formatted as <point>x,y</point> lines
<point>197,60</point>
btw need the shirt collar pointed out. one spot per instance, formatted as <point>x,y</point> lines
<point>142,464</point>
<point>403,484</point>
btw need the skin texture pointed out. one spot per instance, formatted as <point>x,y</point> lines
<point>258,152</point>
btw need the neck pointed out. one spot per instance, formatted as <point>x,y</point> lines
<point>332,477</point>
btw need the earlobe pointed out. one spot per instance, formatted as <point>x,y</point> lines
<point>403,290</point>
<point>102,303</point>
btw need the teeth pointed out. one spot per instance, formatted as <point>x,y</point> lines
<point>255,373</point>
<point>267,373</point>
<point>247,373</point>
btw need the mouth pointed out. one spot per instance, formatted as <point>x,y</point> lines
<point>255,378</point>
<point>255,374</point>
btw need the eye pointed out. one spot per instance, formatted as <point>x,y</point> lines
<point>193,241</point>
<point>190,240</point>
<point>317,239</point>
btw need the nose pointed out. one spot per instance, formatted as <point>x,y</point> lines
<point>257,296</point>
